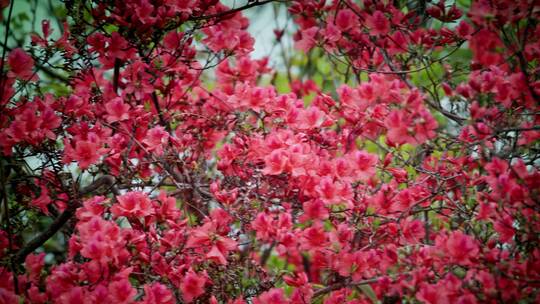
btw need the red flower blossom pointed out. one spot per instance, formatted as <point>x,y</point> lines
<point>192,285</point>
<point>132,204</point>
<point>378,24</point>
<point>21,65</point>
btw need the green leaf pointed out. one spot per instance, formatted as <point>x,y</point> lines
<point>60,11</point>
<point>411,171</point>
<point>275,263</point>
<point>376,222</point>
<point>308,99</point>
<point>23,17</point>
<point>110,28</point>
<point>323,66</point>
<point>368,291</point>
<point>460,272</point>
<point>282,84</point>
<point>57,89</point>
<point>441,120</point>
<point>464,3</point>
<point>463,55</point>
<point>371,147</point>
<point>364,77</point>
<point>328,226</point>
<point>437,154</point>
<point>318,78</point>
<point>436,71</point>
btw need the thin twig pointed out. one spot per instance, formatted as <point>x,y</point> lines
<point>340,285</point>
<point>59,222</point>
<point>8,22</point>
<point>231,11</point>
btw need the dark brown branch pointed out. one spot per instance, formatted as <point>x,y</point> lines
<point>42,68</point>
<point>343,284</point>
<point>4,177</point>
<point>7,218</point>
<point>533,128</point>
<point>57,224</point>
<point>52,73</point>
<point>116,75</point>
<point>340,285</point>
<point>231,11</point>
<point>8,21</point>
<point>266,254</point>
<point>160,113</point>
<point>459,120</point>
<point>189,191</point>
<point>523,65</point>
<point>424,67</point>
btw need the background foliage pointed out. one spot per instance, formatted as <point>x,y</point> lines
<point>155,151</point>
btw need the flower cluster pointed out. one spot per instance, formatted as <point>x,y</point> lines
<point>172,167</point>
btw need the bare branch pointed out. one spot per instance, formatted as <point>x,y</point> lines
<point>57,224</point>
<point>231,11</point>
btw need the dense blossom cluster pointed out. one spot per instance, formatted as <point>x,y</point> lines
<point>400,183</point>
